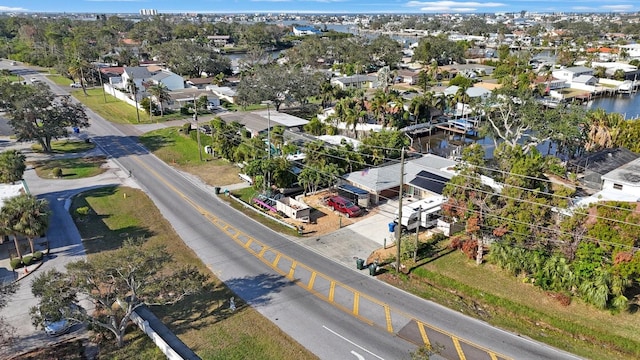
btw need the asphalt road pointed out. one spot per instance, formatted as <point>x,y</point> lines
<point>334,311</point>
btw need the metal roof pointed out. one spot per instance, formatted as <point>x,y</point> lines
<point>604,161</point>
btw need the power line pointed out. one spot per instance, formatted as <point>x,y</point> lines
<point>508,197</point>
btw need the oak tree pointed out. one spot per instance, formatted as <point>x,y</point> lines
<point>116,283</point>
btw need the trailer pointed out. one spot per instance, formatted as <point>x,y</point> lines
<point>294,209</point>
<point>358,196</point>
<point>424,213</point>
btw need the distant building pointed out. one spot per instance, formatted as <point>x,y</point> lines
<point>305,30</point>
<point>148,12</point>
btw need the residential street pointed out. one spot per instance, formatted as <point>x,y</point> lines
<point>334,310</point>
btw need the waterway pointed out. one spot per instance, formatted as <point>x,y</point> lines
<point>627,105</point>
<point>449,145</point>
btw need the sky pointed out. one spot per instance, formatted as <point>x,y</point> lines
<point>318,6</point>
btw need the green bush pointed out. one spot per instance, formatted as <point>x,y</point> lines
<point>57,172</point>
<point>37,255</point>
<point>16,263</point>
<point>82,211</point>
<point>186,128</point>
<point>27,260</point>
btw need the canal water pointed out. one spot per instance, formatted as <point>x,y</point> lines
<point>448,145</point>
<point>627,105</point>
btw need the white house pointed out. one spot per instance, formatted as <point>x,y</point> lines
<point>624,180</point>
<point>305,30</point>
<point>170,80</point>
<point>355,81</point>
<point>138,74</point>
<point>571,73</point>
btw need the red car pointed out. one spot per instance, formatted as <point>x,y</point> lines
<point>344,206</point>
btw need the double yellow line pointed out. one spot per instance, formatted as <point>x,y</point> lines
<point>260,251</point>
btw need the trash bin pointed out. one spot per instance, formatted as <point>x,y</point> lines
<point>360,264</point>
<point>372,269</point>
<point>392,226</point>
<point>216,190</point>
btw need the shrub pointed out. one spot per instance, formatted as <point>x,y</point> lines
<point>186,128</point>
<point>16,263</point>
<point>470,248</point>
<point>27,260</point>
<point>37,255</point>
<point>82,211</point>
<point>56,172</point>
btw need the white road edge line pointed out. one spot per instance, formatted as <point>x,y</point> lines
<point>360,357</point>
<point>351,342</point>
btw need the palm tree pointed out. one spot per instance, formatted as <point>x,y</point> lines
<point>34,217</point>
<point>24,215</point>
<point>133,88</point>
<point>12,166</point>
<point>161,93</point>
<point>603,129</point>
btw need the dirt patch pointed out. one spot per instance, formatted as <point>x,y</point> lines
<point>212,173</point>
<point>323,219</point>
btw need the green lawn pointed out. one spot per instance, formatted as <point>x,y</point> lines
<point>66,146</point>
<point>494,296</point>
<point>60,80</point>
<point>201,321</point>
<point>118,111</point>
<point>113,109</point>
<point>73,168</point>
<point>173,146</point>
<point>181,151</point>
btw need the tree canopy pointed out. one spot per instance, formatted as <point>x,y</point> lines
<point>116,283</point>
<point>37,114</point>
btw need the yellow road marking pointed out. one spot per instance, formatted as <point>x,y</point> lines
<point>292,270</point>
<point>261,253</point>
<point>456,343</point>
<point>493,356</point>
<point>423,333</point>
<point>387,315</point>
<point>224,227</point>
<point>276,260</point>
<point>312,280</point>
<point>356,303</point>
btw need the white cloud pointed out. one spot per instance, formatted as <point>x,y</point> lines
<point>452,6</point>
<point>10,9</point>
<point>617,7</point>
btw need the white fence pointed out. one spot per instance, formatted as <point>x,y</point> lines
<point>121,95</point>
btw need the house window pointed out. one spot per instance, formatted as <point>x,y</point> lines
<point>617,186</point>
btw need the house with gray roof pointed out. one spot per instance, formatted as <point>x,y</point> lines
<point>169,79</point>
<point>592,167</point>
<point>624,180</point>
<point>425,175</point>
<point>573,72</point>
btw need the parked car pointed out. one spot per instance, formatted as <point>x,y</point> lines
<point>76,85</point>
<point>345,206</point>
<point>34,79</point>
<point>57,328</point>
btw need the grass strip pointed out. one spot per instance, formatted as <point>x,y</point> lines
<point>201,321</point>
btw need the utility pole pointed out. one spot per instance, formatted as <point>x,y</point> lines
<point>104,94</point>
<point>195,117</point>
<point>415,251</point>
<point>268,102</point>
<point>399,226</point>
